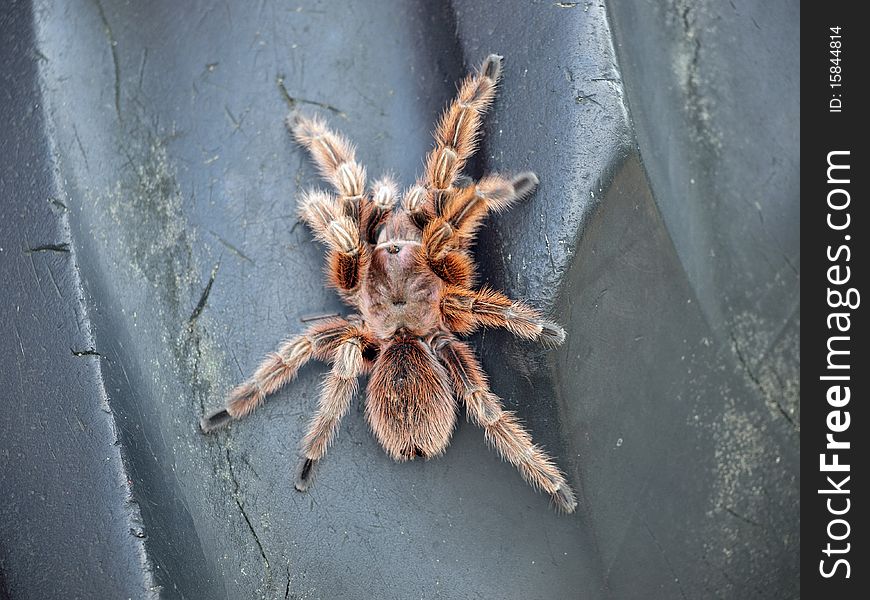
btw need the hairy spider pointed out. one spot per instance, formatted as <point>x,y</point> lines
<point>408,272</point>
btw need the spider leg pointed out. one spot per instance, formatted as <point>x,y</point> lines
<point>456,138</point>
<point>383,198</point>
<point>278,368</point>
<point>335,157</point>
<point>465,310</point>
<point>501,428</point>
<point>341,233</point>
<point>458,131</point>
<point>457,221</point>
<point>342,222</point>
<point>330,225</point>
<point>336,393</point>
<point>456,267</point>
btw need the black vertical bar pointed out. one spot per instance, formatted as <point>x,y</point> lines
<point>834,223</point>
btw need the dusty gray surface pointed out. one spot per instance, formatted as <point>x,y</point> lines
<point>62,480</point>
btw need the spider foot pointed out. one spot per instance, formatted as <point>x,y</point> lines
<point>215,420</point>
<point>304,474</point>
<point>564,500</point>
<point>551,335</point>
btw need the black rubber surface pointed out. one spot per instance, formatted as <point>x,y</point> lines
<point>68,526</point>
<point>148,221</point>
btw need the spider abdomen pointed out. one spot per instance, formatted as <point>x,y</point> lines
<point>409,405</point>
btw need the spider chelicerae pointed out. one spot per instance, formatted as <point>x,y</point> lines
<point>408,272</point>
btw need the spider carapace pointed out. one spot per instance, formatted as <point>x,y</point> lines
<point>407,270</point>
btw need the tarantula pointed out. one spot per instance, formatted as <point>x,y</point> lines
<point>408,272</point>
